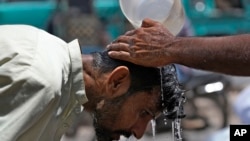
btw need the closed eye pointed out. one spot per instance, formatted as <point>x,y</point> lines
<point>146,113</point>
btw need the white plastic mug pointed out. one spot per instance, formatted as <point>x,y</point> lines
<point>169,12</point>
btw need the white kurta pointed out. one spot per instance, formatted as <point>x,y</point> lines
<point>41,84</point>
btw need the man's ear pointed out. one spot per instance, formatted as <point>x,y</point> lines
<point>118,81</point>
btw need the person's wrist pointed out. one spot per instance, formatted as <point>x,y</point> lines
<point>174,50</point>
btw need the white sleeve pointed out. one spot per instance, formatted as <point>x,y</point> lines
<point>41,84</point>
<point>24,93</point>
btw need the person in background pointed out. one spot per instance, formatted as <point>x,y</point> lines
<point>241,108</point>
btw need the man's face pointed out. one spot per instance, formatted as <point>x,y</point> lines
<point>126,115</point>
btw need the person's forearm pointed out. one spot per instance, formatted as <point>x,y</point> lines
<point>230,55</point>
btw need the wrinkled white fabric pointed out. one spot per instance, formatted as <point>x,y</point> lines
<point>41,84</point>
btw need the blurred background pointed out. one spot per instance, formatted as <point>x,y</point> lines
<point>214,101</point>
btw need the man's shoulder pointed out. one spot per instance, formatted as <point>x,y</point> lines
<point>18,27</point>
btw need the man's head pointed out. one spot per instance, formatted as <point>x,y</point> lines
<point>123,97</point>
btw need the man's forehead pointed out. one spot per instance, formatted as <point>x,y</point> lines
<point>153,99</point>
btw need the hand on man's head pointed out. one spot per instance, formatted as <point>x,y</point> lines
<point>146,46</point>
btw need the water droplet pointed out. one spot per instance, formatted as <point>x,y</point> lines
<point>132,138</point>
<point>153,124</point>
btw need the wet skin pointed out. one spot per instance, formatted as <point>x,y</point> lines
<point>128,117</point>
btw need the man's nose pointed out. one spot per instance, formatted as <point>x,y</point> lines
<point>139,128</point>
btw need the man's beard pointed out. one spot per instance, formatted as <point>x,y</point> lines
<point>108,117</point>
<point>104,134</point>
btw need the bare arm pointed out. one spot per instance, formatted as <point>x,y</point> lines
<point>228,54</point>
<point>152,45</point>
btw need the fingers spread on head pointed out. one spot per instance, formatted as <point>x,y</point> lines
<point>122,55</point>
<point>130,33</point>
<point>118,47</point>
<point>124,39</point>
<point>131,40</point>
<point>148,22</point>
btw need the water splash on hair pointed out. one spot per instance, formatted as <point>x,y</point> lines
<point>172,98</point>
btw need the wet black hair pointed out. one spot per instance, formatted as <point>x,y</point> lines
<point>142,78</point>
